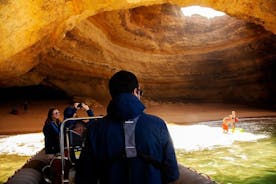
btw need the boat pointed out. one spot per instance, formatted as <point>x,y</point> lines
<point>39,168</point>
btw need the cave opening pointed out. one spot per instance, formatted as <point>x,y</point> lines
<point>203,11</point>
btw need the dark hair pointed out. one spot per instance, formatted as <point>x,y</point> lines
<point>122,82</point>
<point>49,116</point>
<point>69,112</point>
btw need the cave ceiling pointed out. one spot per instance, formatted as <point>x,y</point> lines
<point>76,46</point>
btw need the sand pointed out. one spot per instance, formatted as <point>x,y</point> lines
<point>33,119</point>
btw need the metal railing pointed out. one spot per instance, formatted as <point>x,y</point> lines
<point>62,147</point>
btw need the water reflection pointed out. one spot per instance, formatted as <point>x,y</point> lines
<point>24,144</point>
<point>200,137</point>
<point>205,135</point>
<point>247,156</point>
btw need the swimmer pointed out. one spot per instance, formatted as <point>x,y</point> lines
<point>231,119</point>
<point>235,119</point>
<point>225,123</point>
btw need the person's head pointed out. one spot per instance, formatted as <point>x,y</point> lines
<point>233,114</point>
<point>79,127</point>
<point>53,115</point>
<point>69,112</point>
<point>124,82</point>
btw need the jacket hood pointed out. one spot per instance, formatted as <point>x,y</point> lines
<point>125,106</point>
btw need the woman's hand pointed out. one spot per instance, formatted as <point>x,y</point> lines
<point>86,107</point>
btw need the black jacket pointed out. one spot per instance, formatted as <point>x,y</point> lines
<point>51,137</point>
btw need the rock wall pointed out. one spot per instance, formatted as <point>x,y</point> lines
<point>224,59</point>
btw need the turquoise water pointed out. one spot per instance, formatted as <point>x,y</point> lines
<point>247,156</point>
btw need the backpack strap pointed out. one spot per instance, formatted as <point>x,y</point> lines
<point>129,132</point>
<point>130,146</point>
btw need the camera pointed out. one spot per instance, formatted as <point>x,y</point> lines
<point>79,105</point>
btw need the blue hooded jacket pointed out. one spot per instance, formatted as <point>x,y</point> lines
<point>69,113</point>
<point>102,158</point>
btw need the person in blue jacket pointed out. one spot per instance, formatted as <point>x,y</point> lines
<point>51,131</point>
<point>77,128</point>
<point>71,112</point>
<point>127,146</point>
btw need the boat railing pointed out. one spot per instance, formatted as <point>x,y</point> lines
<point>63,134</point>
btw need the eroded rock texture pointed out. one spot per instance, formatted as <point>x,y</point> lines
<point>176,58</point>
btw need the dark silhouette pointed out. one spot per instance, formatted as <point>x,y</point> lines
<point>127,146</point>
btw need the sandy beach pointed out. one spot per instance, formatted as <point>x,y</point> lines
<point>33,119</point>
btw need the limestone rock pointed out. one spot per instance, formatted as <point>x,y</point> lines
<point>76,46</point>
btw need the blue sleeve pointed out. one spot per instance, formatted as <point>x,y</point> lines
<point>170,162</point>
<point>75,110</point>
<point>90,114</point>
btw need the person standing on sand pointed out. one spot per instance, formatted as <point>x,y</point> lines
<point>51,131</point>
<point>25,106</point>
<point>127,146</point>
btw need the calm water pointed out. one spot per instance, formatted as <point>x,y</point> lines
<point>247,156</point>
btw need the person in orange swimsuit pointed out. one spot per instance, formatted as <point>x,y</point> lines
<point>231,119</point>
<point>225,123</point>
